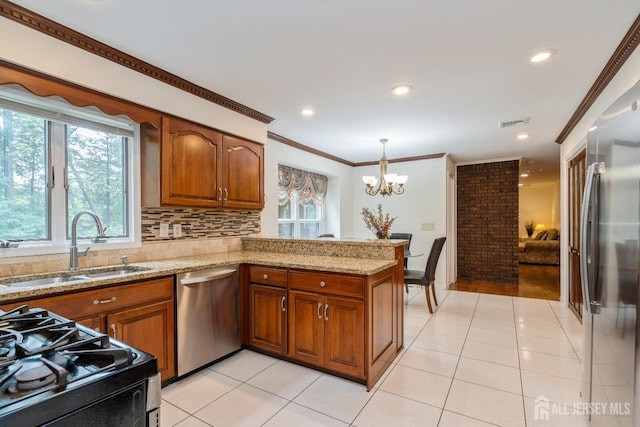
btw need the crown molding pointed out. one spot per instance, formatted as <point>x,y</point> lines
<point>617,60</point>
<point>295,144</point>
<point>403,159</point>
<point>51,28</point>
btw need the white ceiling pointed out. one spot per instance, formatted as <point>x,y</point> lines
<point>468,62</point>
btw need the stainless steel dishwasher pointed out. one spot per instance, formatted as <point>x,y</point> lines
<point>208,325</point>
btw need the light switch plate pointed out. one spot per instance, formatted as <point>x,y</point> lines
<point>164,230</point>
<point>177,230</point>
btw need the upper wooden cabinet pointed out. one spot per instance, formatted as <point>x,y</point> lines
<point>204,168</point>
<point>242,173</point>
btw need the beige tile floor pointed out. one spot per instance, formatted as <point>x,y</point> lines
<point>479,360</point>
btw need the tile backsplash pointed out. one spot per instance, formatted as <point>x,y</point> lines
<point>198,223</point>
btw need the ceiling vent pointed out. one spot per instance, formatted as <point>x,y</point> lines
<point>513,123</point>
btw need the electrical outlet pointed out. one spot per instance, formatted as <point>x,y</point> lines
<point>177,230</point>
<point>164,230</point>
<point>428,226</point>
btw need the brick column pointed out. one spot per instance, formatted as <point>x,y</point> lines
<point>487,208</point>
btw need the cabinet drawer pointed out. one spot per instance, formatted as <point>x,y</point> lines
<point>94,302</point>
<point>268,276</point>
<point>327,283</point>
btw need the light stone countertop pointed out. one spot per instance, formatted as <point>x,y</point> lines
<point>159,268</point>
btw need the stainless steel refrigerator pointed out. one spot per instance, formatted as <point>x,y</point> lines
<point>610,233</point>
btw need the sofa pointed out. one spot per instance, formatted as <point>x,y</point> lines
<point>543,248</point>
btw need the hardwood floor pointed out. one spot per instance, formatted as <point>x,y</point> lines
<point>535,281</point>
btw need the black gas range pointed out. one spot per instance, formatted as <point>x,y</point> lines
<point>54,371</point>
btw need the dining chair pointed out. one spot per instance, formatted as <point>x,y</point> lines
<point>404,236</point>
<point>427,277</point>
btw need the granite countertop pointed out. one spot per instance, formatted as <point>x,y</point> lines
<point>153,269</point>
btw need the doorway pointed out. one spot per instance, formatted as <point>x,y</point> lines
<point>576,174</point>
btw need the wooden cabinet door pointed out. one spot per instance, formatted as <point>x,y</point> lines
<point>149,328</point>
<point>243,173</point>
<point>344,336</point>
<point>191,156</point>
<point>268,318</point>
<point>97,323</point>
<point>306,327</point>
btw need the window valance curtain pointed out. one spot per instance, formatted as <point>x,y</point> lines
<point>303,185</point>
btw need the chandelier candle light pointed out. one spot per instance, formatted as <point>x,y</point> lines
<point>385,184</point>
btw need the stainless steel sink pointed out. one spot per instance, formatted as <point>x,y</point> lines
<point>115,271</point>
<point>46,281</point>
<point>120,270</point>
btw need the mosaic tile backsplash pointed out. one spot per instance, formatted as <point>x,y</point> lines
<point>198,223</point>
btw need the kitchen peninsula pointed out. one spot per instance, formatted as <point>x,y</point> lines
<point>335,305</point>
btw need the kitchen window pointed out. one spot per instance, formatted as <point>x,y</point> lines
<point>57,160</point>
<point>301,197</point>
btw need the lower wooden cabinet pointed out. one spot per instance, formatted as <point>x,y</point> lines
<point>327,331</point>
<point>340,323</point>
<point>140,314</point>
<point>267,318</point>
<point>149,328</point>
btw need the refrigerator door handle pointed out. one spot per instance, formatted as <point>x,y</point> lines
<point>589,238</point>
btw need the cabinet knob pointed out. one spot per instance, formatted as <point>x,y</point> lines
<point>322,284</point>
<point>265,276</point>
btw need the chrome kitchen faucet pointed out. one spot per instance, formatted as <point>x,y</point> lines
<point>100,238</point>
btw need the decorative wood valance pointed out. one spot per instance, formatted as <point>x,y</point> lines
<point>44,85</point>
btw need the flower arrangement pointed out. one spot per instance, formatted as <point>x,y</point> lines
<point>379,223</point>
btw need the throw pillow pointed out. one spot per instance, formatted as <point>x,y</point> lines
<point>554,234</point>
<point>541,235</point>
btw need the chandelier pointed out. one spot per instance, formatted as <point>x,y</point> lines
<point>385,185</point>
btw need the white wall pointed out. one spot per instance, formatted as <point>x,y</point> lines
<point>423,202</point>
<point>628,75</point>
<point>339,202</point>
<point>40,52</point>
<point>540,203</point>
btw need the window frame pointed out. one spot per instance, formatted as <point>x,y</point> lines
<point>297,222</point>
<point>56,164</point>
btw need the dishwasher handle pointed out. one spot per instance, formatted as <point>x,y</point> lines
<point>216,275</point>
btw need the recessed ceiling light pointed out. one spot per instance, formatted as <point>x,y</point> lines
<point>591,129</point>
<point>307,112</point>
<point>523,136</point>
<point>524,175</point>
<point>520,185</point>
<point>402,89</point>
<point>543,55</point>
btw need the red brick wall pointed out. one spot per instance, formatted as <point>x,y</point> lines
<point>488,221</point>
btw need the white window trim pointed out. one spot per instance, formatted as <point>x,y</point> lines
<point>134,240</point>
<point>297,221</point>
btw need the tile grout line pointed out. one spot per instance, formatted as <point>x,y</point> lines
<point>475,308</point>
<point>515,325</point>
